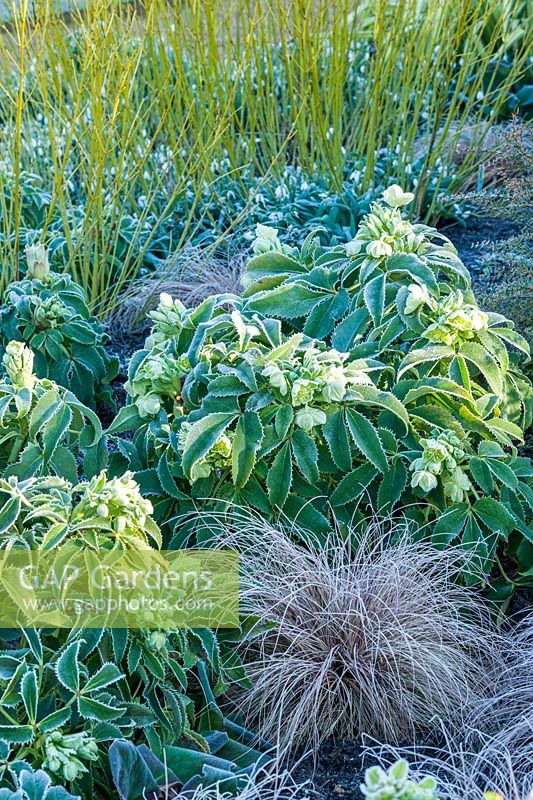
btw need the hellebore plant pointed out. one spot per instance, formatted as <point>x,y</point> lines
<point>360,378</point>
<point>49,312</point>
<point>44,429</point>
<point>396,784</point>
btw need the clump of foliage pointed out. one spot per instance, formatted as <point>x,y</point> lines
<point>357,377</point>
<point>397,784</point>
<point>66,694</point>
<point>371,632</point>
<point>235,410</point>
<point>44,429</point>
<point>29,784</point>
<point>49,312</point>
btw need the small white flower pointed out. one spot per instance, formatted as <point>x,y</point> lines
<point>378,248</point>
<point>395,197</point>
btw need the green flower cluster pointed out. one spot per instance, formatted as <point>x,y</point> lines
<point>43,427</point>
<point>308,377</point>
<point>64,753</point>
<point>441,457</point>
<point>167,318</point>
<point>267,241</point>
<point>384,231</point>
<point>159,376</point>
<point>451,319</point>
<point>118,501</point>
<point>18,364</point>
<point>49,312</point>
<point>395,784</point>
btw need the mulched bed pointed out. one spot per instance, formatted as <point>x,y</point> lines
<point>336,773</point>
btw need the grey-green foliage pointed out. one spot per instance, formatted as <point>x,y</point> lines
<point>397,784</point>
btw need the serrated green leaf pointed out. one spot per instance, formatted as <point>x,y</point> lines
<point>374,296</point>
<point>16,734</point>
<point>481,474</point>
<point>283,420</point>
<point>54,720</point>
<point>28,690</point>
<point>322,318</point>
<point>9,513</point>
<point>279,477</point>
<point>366,438</point>
<point>391,487</point>
<point>202,436</point>
<point>246,442</point>
<point>45,407</point>
<point>495,516</point>
<point>107,674</point>
<point>90,708</point>
<point>485,363</point>
<point>305,454</point>
<point>287,301</point>
<point>353,485</point>
<point>68,668</point>
<point>55,429</point>
<point>336,437</point>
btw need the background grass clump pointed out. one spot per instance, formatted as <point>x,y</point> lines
<point>129,129</point>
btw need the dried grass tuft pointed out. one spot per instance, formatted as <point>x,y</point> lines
<point>192,274</point>
<point>374,639</point>
<point>495,750</point>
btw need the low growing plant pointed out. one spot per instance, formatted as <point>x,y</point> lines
<point>49,312</point>
<point>397,784</point>
<point>66,694</point>
<point>231,409</point>
<point>44,428</point>
<point>360,378</point>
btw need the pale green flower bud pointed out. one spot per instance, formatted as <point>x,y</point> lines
<point>335,388</point>
<point>148,405</point>
<point>200,470</point>
<point>276,378</point>
<point>379,248</point>
<point>456,486</point>
<point>306,418</point>
<point>417,296</point>
<point>157,640</point>
<point>425,480</point>
<point>266,240</point>
<point>102,510</point>
<point>18,362</point>
<point>37,260</point>
<point>395,197</point>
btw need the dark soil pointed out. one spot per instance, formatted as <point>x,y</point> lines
<point>336,773</point>
<point>474,238</point>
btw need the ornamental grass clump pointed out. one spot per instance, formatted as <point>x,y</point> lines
<point>49,312</point>
<point>355,635</point>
